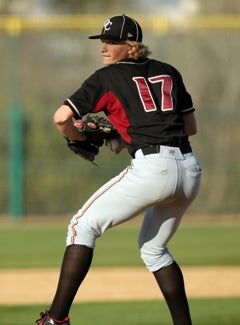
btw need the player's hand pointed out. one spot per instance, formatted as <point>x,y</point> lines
<point>115,145</point>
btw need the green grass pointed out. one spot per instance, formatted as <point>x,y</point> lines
<point>207,244</point>
<point>194,244</point>
<point>204,312</point>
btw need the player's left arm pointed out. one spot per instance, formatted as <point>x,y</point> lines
<point>190,124</point>
<point>63,118</point>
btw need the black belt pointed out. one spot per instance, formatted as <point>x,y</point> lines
<point>155,148</point>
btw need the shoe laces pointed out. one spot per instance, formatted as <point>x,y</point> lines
<point>42,316</point>
<point>46,314</point>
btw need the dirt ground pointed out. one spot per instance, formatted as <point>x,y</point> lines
<point>31,286</point>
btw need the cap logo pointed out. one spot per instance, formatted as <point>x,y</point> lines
<point>107,24</point>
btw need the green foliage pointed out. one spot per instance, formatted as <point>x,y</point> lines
<point>192,245</point>
<point>204,311</point>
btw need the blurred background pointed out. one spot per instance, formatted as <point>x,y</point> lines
<point>45,55</point>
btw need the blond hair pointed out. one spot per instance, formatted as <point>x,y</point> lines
<point>142,51</point>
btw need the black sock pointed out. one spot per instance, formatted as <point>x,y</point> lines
<point>171,283</point>
<point>76,262</point>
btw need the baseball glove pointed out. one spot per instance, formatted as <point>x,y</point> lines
<point>84,149</point>
<point>96,129</point>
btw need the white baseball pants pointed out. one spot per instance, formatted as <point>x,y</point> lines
<point>162,184</point>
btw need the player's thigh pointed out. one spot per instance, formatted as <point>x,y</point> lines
<point>118,200</point>
<point>159,225</point>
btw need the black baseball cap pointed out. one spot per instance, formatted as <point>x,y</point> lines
<point>120,28</point>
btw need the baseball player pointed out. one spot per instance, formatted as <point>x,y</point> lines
<point>148,104</point>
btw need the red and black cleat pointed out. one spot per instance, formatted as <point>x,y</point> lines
<point>46,319</point>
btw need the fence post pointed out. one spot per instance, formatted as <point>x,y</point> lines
<point>15,123</point>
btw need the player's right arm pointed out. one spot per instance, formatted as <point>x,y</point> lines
<point>190,124</point>
<point>63,118</point>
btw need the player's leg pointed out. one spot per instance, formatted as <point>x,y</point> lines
<point>170,281</point>
<point>160,223</point>
<point>76,262</point>
<point>75,265</point>
<point>105,209</point>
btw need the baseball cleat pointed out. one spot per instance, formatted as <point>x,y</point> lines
<point>46,319</point>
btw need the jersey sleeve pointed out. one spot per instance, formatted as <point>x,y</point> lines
<point>85,99</point>
<point>184,99</point>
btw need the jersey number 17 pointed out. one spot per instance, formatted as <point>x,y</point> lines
<point>145,94</point>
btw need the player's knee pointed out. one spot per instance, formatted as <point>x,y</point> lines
<point>156,258</point>
<point>81,233</point>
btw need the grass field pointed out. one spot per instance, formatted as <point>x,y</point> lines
<point>204,312</point>
<point>42,245</point>
<point>196,243</point>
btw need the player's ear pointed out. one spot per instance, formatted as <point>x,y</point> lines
<point>132,49</point>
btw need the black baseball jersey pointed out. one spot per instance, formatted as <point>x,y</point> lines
<point>143,99</point>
